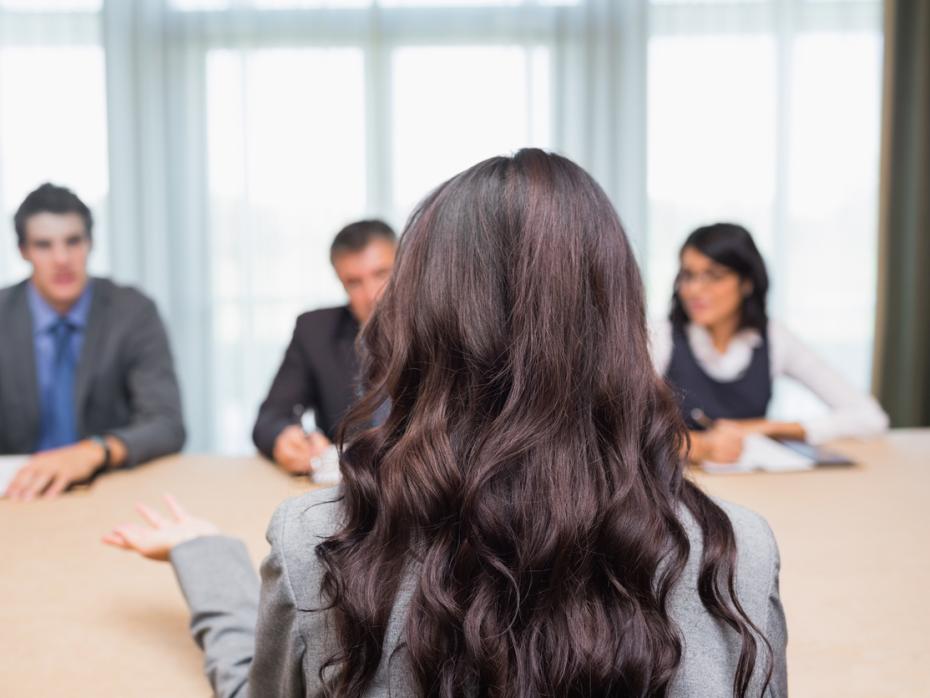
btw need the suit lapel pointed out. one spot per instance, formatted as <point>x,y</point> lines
<point>87,361</point>
<point>23,361</point>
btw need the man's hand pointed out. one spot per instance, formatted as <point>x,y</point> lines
<point>156,540</point>
<point>49,473</point>
<point>293,450</point>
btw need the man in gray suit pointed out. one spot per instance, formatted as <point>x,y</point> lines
<point>87,380</point>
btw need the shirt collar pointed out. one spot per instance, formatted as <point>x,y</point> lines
<point>699,335</point>
<point>44,315</point>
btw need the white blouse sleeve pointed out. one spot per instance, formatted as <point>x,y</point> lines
<point>852,413</point>
<point>660,344</point>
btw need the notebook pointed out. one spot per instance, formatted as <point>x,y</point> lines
<point>762,453</point>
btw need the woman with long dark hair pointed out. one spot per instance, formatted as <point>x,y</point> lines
<point>519,525</point>
<point>721,353</point>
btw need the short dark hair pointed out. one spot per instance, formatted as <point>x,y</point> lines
<point>50,198</point>
<point>356,236</point>
<point>732,246</point>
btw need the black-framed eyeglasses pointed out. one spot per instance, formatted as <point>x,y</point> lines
<point>710,276</point>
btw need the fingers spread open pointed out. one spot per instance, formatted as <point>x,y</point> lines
<point>152,517</point>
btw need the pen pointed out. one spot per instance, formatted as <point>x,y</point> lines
<point>305,418</point>
<point>698,415</point>
<point>307,421</point>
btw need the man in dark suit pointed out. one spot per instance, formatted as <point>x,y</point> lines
<point>87,380</point>
<point>320,368</point>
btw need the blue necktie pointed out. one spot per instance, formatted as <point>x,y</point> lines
<point>61,430</point>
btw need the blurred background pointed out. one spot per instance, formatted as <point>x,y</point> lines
<point>222,144</point>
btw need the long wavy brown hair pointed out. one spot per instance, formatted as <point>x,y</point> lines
<point>528,478</point>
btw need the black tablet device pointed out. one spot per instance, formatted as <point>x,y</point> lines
<point>820,456</point>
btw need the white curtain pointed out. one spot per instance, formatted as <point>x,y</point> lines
<point>767,113</point>
<point>240,135</point>
<point>53,124</point>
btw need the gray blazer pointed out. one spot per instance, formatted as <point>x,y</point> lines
<point>125,383</point>
<point>272,642</point>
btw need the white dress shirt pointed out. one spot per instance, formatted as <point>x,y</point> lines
<point>852,413</point>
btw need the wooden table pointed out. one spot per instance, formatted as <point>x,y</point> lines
<point>855,575</point>
<point>78,618</point>
<point>82,619</point>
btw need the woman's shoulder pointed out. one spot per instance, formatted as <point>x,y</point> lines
<point>757,557</point>
<point>298,526</point>
<point>779,333</point>
<point>710,649</point>
<point>786,348</point>
<point>314,515</point>
<point>755,542</point>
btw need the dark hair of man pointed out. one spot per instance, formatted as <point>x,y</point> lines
<point>732,246</point>
<point>49,198</point>
<point>356,236</point>
<point>528,476</point>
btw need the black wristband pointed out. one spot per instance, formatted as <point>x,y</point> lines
<point>106,451</point>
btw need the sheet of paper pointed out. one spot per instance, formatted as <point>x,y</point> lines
<point>762,453</point>
<point>9,466</point>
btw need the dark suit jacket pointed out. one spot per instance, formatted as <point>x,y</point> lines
<point>319,372</point>
<point>125,383</point>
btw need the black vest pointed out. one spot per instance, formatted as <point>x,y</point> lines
<point>747,397</point>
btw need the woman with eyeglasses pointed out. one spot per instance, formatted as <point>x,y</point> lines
<point>721,352</point>
<point>519,524</point>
